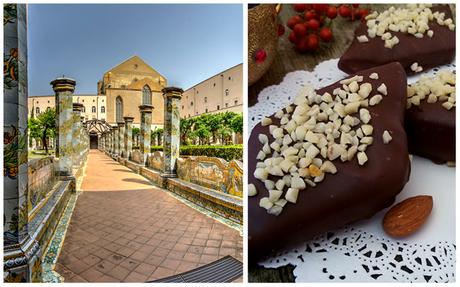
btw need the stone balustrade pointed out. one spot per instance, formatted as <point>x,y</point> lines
<point>42,177</point>
<point>137,156</point>
<point>209,182</point>
<point>156,161</point>
<point>212,172</point>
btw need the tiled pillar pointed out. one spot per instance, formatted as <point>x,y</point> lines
<point>21,262</point>
<point>76,134</point>
<point>109,139</point>
<point>128,137</point>
<point>171,131</point>
<point>101,142</point>
<point>81,138</point>
<point>115,140</point>
<point>146,130</point>
<point>63,88</point>
<point>121,138</point>
<point>104,143</point>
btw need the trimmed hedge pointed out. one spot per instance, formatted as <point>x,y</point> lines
<point>227,152</point>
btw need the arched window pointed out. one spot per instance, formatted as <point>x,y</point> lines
<point>102,109</point>
<point>146,95</point>
<point>93,109</point>
<point>119,109</point>
<point>37,110</point>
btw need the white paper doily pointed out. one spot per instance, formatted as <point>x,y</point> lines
<point>363,252</point>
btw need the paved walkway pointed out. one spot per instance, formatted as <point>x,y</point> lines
<point>123,229</point>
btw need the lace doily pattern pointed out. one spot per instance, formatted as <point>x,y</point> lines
<point>362,253</point>
<point>356,255</point>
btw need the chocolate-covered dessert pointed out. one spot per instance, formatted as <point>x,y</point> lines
<point>405,35</point>
<point>430,117</point>
<point>344,157</point>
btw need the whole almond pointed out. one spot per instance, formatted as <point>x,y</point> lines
<point>407,216</point>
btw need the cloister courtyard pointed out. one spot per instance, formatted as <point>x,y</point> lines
<point>125,229</point>
<point>95,202</point>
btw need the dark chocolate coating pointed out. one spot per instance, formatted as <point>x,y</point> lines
<point>430,131</point>
<point>353,193</point>
<point>427,52</point>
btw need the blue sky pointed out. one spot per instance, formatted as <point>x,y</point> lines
<point>185,43</point>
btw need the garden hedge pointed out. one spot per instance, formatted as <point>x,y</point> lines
<point>227,152</point>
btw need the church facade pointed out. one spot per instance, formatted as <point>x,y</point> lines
<point>129,85</point>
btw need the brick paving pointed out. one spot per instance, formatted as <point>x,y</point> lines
<point>123,229</point>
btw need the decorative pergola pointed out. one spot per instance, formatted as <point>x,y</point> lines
<point>97,126</point>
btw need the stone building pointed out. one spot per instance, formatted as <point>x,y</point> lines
<point>120,92</point>
<point>220,93</point>
<point>94,106</point>
<point>129,85</point>
<point>133,82</point>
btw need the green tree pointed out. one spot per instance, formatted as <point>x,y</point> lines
<point>156,134</point>
<point>214,123</point>
<point>34,130</point>
<point>202,133</point>
<point>135,134</point>
<point>237,123</point>
<point>186,130</point>
<point>226,126</point>
<point>47,126</point>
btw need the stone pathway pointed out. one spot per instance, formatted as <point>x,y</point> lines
<point>124,229</point>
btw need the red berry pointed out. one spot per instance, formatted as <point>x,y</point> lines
<point>363,13</point>
<point>300,30</point>
<point>312,24</point>
<point>344,11</point>
<point>296,19</point>
<point>331,12</point>
<point>293,38</point>
<point>312,42</point>
<point>299,7</point>
<point>302,45</point>
<point>322,19</point>
<point>260,56</point>
<point>355,5</point>
<point>281,30</point>
<point>325,34</point>
<point>310,15</point>
<point>320,8</point>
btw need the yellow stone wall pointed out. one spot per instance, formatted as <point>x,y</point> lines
<point>220,93</point>
<point>127,81</point>
<point>88,101</point>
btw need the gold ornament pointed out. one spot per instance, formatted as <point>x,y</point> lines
<point>262,35</point>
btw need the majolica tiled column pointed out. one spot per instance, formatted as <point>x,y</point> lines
<point>109,141</point>
<point>146,130</point>
<point>115,140</point>
<point>76,130</point>
<point>128,136</point>
<point>171,135</point>
<point>63,88</point>
<point>104,141</point>
<point>21,253</point>
<point>121,138</point>
<point>101,142</point>
<point>81,138</point>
